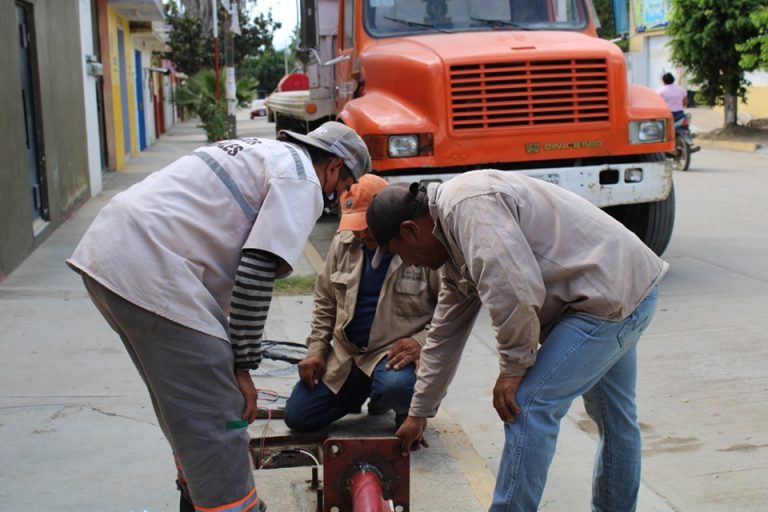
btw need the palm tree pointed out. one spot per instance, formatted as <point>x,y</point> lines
<point>198,93</point>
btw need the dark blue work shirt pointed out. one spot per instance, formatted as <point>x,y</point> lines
<point>359,328</point>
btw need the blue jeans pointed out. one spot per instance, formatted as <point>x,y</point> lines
<point>595,359</point>
<point>309,409</point>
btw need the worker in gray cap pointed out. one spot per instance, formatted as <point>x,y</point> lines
<point>569,291</point>
<point>182,264</point>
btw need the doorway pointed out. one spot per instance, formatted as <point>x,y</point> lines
<point>31,106</point>
<point>124,91</point>
<point>140,101</point>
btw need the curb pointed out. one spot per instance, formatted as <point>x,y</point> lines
<point>731,145</point>
<point>313,257</point>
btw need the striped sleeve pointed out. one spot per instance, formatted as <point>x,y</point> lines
<point>250,304</point>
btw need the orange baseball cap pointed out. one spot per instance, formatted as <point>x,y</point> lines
<point>354,202</point>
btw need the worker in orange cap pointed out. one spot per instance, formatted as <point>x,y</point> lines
<point>368,325</point>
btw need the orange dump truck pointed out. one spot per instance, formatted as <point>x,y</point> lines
<point>440,87</point>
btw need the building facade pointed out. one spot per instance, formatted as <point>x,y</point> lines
<point>79,87</point>
<point>650,57</point>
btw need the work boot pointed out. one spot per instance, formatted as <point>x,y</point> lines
<point>185,505</point>
<point>261,507</point>
<point>185,502</point>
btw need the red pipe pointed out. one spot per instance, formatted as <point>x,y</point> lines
<point>366,493</point>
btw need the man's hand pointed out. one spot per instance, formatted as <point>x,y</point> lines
<point>311,369</point>
<point>245,383</point>
<point>504,397</point>
<point>411,434</point>
<point>404,352</point>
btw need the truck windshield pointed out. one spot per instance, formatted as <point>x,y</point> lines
<point>393,18</point>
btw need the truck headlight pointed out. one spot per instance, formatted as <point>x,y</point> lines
<point>644,132</point>
<point>403,145</point>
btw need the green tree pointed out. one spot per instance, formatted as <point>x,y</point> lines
<point>755,49</point>
<point>191,43</point>
<point>604,9</point>
<point>267,69</point>
<point>190,48</point>
<point>706,37</point>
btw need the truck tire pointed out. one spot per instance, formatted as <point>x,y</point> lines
<point>280,123</point>
<point>651,222</point>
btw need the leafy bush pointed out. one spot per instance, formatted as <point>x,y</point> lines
<point>198,94</point>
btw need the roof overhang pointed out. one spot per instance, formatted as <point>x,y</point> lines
<point>139,10</point>
<point>153,35</point>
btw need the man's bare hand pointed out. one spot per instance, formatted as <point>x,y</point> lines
<point>411,434</point>
<point>504,400</point>
<point>311,370</point>
<point>245,383</point>
<point>404,352</point>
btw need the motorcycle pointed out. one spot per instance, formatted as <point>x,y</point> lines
<point>684,147</point>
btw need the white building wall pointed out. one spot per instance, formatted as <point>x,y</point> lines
<point>93,134</point>
<point>168,95</point>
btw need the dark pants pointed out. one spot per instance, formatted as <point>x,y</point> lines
<point>313,409</point>
<point>191,382</point>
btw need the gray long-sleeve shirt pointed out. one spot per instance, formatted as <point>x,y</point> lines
<point>530,252</point>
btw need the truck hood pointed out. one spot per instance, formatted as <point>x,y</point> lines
<point>508,44</point>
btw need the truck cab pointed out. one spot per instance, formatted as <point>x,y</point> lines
<point>440,87</point>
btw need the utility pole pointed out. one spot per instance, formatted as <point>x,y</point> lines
<point>214,4</point>
<point>229,63</point>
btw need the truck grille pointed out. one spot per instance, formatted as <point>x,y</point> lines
<point>529,93</point>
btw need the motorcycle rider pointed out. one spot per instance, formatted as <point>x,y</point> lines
<point>675,96</point>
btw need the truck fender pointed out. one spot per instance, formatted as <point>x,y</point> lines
<point>379,113</point>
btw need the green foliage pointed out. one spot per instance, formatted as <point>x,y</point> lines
<point>192,48</point>
<point>755,50</point>
<point>604,9</point>
<point>295,285</point>
<point>198,93</point>
<point>706,37</point>
<point>267,69</point>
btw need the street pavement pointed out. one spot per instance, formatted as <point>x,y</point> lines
<point>78,432</point>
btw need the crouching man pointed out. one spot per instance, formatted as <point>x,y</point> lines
<point>368,326</point>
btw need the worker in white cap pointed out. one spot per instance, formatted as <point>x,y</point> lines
<point>182,264</point>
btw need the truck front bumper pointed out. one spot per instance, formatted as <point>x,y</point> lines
<point>602,185</point>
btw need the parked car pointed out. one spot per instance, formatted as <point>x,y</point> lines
<point>258,108</point>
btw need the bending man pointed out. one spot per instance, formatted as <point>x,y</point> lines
<point>553,270</point>
<point>181,265</point>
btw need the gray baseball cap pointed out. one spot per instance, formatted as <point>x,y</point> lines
<point>337,139</point>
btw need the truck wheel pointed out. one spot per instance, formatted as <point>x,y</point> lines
<point>651,222</point>
<point>280,124</point>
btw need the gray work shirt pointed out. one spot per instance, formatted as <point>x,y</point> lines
<point>530,252</point>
